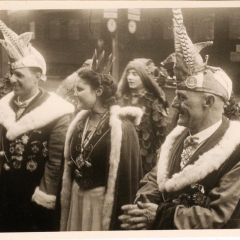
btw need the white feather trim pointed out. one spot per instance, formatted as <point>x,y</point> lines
<point>43,199</point>
<point>207,162</point>
<point>53,108</point>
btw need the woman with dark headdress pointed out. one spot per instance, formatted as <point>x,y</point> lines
<point>137,87</point>
<point>102,166</point>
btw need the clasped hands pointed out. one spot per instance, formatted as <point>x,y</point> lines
<point>138,216</point>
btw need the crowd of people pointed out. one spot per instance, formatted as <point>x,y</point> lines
<point>98,155</point>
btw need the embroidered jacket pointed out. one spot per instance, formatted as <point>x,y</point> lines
<point>31,149</point>
<point>205,194</point>
<point>124,166</point>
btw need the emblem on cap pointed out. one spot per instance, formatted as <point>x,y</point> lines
<point>191,82</point>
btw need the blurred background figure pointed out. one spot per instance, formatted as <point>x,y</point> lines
<point>66,88</point>
<point>5,85</point>
<point>160,74</point>
<point>137,87</point>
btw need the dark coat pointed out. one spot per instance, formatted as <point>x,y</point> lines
<point>30,165</point>
<point>204,194</point>
<point>124,162</point>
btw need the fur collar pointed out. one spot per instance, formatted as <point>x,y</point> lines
<point>134,114</point>
<point>50,110</point>
<point>116,113</point>
<point>207,162</point>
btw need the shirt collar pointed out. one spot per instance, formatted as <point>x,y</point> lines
<point>27,101</point>
<point>206,133</point>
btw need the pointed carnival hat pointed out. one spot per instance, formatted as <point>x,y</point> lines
<point>20,52</point>
<point>192,73</point>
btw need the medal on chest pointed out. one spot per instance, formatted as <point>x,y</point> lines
<point>17,149</point>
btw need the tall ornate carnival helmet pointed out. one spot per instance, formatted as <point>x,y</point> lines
<point>20,51</point>
<point>192,73</point>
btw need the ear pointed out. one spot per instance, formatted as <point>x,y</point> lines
<point>209,101</point>
<point>99,91</point>
<point>37,77</point>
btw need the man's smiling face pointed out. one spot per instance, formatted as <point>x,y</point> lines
<point>190,107</point>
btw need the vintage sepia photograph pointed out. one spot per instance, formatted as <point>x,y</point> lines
<point>119,119</point>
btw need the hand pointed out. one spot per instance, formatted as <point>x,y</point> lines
<point>138,217</point>
<point>123,218</point>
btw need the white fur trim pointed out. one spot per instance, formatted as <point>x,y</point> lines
<point>162,170</point>
<point>53,108</point>
<point>67,174</point>
<point>134,112</point>
<point>207,162</point>
<point>43,199</point>
<point>116,139</point>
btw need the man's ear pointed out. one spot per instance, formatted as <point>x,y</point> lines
<point>99,91</point>
<point>37,77</point>
<point>209,101</point>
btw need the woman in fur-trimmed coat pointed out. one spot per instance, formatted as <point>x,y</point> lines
<point>102,158</point>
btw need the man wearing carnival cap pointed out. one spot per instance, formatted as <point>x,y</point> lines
<point>33,126</point>
<point>196,182</point>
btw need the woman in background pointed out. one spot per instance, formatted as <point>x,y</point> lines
<point>137,87</point>
<point>102,157</point>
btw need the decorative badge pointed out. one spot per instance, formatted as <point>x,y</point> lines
<point>35,148</point>
<point>19,148</point>
<point>31,166</point>
<point>199,198</point>
<point>191,82</point>
<point>25,139</point>
<point>17,164</point>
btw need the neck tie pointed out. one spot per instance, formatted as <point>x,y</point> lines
<point>190,145</point>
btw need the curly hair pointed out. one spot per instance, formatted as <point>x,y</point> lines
<point>96,80</point>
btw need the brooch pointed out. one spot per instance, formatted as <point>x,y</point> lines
<point>198,197</point>
<point>17,164</point>
<point>31,165</point>
<point>25,139</point>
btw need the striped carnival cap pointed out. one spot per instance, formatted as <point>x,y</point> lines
<point>211,80</point>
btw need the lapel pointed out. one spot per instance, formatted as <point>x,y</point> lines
<point>47,108</point>
<point>208,158</point>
